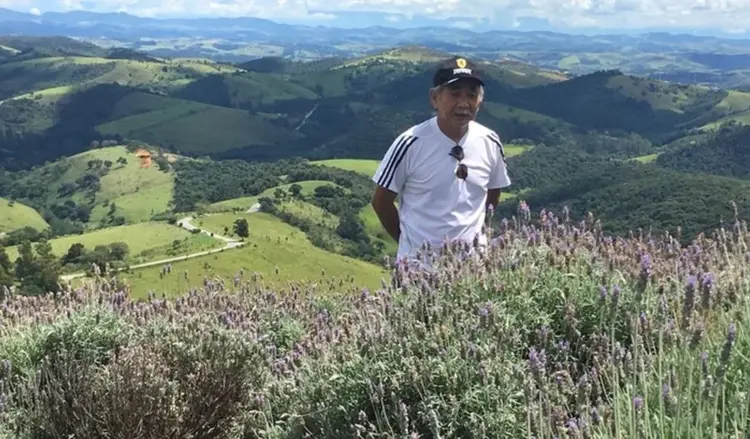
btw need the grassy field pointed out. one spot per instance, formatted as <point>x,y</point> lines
<point>650,158</point>
<point>661,96</point>
<point>17,216</point>
<point>368,167</point>
<point>741,117</point>
<point>146,241</point>
<point>271,244</point>
<point>307,211</point>
<point>249,90</point>
<point>736,101</point>
<point>192,126</point>
<point>140,205</point>
<point>363,166</point>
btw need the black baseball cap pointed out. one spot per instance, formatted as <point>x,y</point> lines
<point>453,69</point>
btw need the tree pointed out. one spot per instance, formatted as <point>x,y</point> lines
<point>118,251</point>
<point>48,266</point>
<point>351,227</point>
<point>266,205</point>
<point>279,194</point>
<point>38,273</point>
<point>295,189</point>
<point>25,261</point>
<point>6,269</point>
<point>74,254</point>
<point>241,228</point>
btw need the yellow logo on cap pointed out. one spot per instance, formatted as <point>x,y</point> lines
<point>461,63</point>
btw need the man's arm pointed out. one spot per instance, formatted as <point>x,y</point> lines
<point>499,175</point>
<point>493,197</point>
<point>390,178</point>
<point>383,202</point>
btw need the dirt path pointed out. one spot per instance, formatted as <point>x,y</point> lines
<point>186,224</point>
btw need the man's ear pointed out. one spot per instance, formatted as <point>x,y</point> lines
<point>433,93</point>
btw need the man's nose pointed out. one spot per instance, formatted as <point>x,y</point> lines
<point>464,100</point>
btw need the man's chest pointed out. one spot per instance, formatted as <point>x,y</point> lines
<point>432,173</point>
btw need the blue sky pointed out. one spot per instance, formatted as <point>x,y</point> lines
<point>731,16</point>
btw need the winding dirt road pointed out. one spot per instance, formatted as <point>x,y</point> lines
<point>187,225</point>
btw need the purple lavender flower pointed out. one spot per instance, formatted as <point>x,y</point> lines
<point>637,402</point>
<point>707,282</point>
<point>616,295</point>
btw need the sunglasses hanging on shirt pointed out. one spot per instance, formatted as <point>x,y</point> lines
<point>457,152</point>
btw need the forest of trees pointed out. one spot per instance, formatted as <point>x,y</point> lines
<point>723,152</point>
<point>626,195</point>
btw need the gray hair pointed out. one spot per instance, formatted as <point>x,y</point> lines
<point>436,89</point>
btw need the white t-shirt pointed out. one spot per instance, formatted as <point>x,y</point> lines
<point>434,204</point>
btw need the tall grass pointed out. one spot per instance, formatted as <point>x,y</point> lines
<point>557,330</point>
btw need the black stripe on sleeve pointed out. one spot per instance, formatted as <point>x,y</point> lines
<point>395,160</point>
<point>496,140</point>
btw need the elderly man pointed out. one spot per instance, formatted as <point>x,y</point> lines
<point>446,171</point>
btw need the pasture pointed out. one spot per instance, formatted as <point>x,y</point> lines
<point>272,244</point>
<point>14,215</point>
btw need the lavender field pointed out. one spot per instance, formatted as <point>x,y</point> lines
<point>557,331</point>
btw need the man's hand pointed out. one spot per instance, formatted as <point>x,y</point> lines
<point>493,198</point>
<point>383,201</point>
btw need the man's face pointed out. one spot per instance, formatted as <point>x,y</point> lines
<point>457,103</point>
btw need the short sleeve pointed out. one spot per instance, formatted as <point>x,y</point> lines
<point>391,173</point>
<point>499,174</point>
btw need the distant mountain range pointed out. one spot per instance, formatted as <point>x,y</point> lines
<point>686,58</point>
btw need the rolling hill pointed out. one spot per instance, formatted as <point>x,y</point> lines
<point>297,143</point>
<point>688,58</point>
<point>51,77</point>
<point>268,109</point>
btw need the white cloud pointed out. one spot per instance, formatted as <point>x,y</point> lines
<point>685,14</point>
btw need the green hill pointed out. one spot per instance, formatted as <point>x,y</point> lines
<point>188,126</point>
<point>103,186</point>
<point>609,100</point>
<point>249,90</point>
<point>14,216</point>
<point>46,78</point>
<point>29,47</point>
<point>626,195</point>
